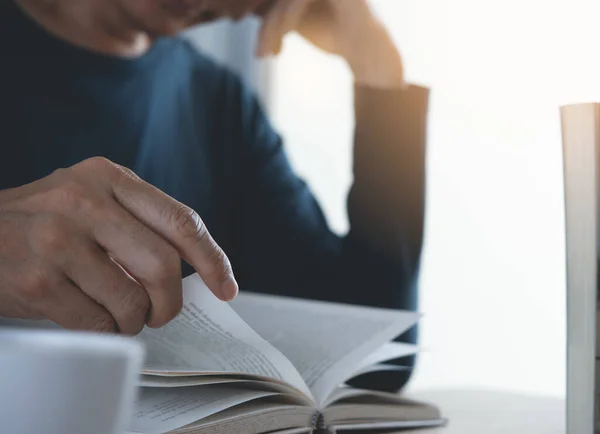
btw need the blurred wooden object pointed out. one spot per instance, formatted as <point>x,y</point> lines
<point>581,156</point>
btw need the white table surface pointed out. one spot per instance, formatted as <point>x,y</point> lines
<point>489,412</point>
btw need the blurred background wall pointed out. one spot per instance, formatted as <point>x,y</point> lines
<point>493,275</point>
<point>233,44</point>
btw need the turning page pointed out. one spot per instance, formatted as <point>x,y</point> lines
<point>389,351</point>
<point>326,342</point>
<point>209,337</point>
<point>163,410</point>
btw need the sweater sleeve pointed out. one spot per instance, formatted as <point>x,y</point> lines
<point>283,244</point>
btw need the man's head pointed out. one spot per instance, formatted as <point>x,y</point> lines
<point>127,27</point>
<point>161,17</point>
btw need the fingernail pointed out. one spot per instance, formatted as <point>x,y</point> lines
<point>229,289</point>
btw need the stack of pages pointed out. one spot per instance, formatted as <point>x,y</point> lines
<point>266,364</point>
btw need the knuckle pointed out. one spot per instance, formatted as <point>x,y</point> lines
<point>121,177</point>
<point>127,172</point>
<point>96,164</point>
<point>102,323</point>
<point>136,305</point>
<point>133,329</point>
<point>221,269</point>
<point>186,223</point>
<point>102,164</point>
<point>120,174</point>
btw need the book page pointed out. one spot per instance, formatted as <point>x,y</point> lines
<point>243,384</point>
<point>159,410</point>
<point>345,392</point>
<point>325,341</point>
<point>209,337</point>
<point>204,380</point>
<point>389,351</point>
<point>295,431</point>
<point>381,367</point>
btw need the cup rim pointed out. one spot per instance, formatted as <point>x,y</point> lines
<point>66,341</point>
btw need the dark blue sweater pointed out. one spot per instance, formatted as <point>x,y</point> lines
<point>192,129</point>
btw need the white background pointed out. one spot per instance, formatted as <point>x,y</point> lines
<point>492,285</point>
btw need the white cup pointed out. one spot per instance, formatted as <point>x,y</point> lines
<point>59,382</point>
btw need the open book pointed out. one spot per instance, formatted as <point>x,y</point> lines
<point>266,364</point>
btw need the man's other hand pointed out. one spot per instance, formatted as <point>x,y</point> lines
<point>93,247</point>
<point>346,28</point>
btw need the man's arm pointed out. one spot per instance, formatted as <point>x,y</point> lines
<point>283,244</point>
<point>377,262</point>
<point>386,204</point>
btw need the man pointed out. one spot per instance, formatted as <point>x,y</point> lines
<point>185,149</point>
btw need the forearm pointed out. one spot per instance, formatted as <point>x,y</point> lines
<point>376,62</point>
<point>386,204</point>
<point>281,242</point>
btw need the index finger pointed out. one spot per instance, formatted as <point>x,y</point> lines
<point>180,225</point>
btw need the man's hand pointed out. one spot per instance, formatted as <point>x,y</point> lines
<point>94,247</point>
<point>347,28</point>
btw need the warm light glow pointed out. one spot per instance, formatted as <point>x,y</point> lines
<point>493,270</point>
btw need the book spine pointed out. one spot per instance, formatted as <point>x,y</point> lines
<point>315,419</point>
<point>581,160</point>
<point>319,426</point>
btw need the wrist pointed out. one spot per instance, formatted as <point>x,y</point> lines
<point>376,62</point>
